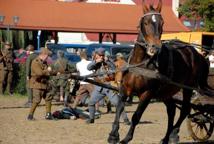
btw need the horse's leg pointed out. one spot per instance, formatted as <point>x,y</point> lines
<point>185,110</point>
<point>170,107</point>
<point>144,101</point>
<point>114,135</point>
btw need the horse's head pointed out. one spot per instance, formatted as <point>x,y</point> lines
<point>151,28</point>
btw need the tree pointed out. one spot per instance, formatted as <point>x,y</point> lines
<point>204,9</point>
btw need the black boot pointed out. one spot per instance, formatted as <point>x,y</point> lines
<point>28,104</point>
<point>90,121</point>
<point>30,117</point>
<point>49,116</point>
<point>127,122</point>
<point>109,110</point>
<point>66,101</point>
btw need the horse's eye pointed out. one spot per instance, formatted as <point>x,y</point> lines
<point>145,23</point>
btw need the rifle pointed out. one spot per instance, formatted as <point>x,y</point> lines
<point>86,79</point>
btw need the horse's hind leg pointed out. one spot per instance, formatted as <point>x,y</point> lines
<point>185,110</point>
<point>136,117</point>
<point>170,107</point>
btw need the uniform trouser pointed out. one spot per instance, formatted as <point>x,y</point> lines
<point>29,92</point>
<point>7,81</point>
<point>84,90</point>
<point>30,95</point>
<point>38,94</point>
<point>1,80</point>
<point>99,93</point>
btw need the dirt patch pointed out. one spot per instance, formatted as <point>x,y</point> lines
<point>15,129</point>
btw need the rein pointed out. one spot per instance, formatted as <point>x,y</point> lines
<point>144,43</point>
<point>146,72</point>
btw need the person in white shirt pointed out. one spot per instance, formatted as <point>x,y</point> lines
<point>85,88</point>
<point>211,59</point>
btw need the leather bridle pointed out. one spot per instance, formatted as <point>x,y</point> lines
<point>143,43</point>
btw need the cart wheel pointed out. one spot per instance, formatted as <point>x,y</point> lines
<point>199,125</point>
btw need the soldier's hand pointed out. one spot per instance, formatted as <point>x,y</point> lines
<point>99,60</point>
<point>58,73</point>
<point>49,69</point>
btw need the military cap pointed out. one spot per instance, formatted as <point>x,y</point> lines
<point>100,51</point>
<point>119,55</point>
<point>7,43</point>
<point>45,51</point>
<point>30,47</point>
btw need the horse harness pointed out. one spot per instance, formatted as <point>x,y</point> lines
<point>144,70</point>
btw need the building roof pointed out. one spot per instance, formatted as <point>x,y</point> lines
<point>80,17</point>
<point>165,2</point>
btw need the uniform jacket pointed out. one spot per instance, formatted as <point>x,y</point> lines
<point>39,74</point>
<point>8,60</point>
<point>2,64</point>
<point>62,66</point>
<point>29,60</point>
<point>119,65</point>
<point>102,68</point>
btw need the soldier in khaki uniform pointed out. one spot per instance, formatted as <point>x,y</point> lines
<point>119,63</point>
<point>32,55</point>
<point>59,83</point>
<point>2,65</point>
<point>7,63</point>
<point>40,73</point>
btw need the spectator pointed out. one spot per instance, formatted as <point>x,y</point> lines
<point>2,65</point>
<point>211,60</point>
<point>8,68</point>
<point>30,58</point>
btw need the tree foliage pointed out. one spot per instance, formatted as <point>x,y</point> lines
<point>204,9</point>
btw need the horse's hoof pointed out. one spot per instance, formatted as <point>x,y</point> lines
<point>112,139</point>
<point>163,142</point>
<point>123,142</point>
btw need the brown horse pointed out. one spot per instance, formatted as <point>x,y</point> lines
<point>179,62</point>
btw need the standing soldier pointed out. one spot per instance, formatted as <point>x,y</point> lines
<point>2,65</point>
<point>8,63</point>
<point>30,58</point>
<point>100,66</point>
<point>119,63</point>
<point>40,73</point>
<point>61,66</point>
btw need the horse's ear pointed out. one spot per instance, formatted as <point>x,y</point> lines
<point>159,6</point>
<point>145,8</point>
